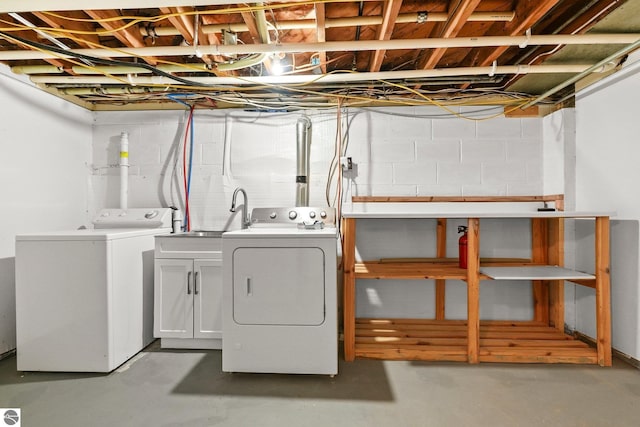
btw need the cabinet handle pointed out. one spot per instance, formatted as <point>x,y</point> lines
<point>195,283</point>
<point>249,286</point>
<point>189,283</point>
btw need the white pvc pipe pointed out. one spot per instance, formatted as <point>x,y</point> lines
<point>333,46</point>
<point>311,24</point>
<point>327,78</point>
<point>124,169</point>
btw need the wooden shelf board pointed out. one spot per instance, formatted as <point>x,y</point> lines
<point>409,270</point>
<point>440,340</point>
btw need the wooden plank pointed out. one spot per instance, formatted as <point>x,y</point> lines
<point>349,286</point>
<point>374,270</point>
<point>417,354</point>
<point>429,334</point>
<point>456,327</point>
<point>128,36</point>
<point>441,252</point>
<point>603,291</point>
<point>555,256</point>
<point>527,358</point>
<point>399,321</point>
<point>484,342</point>
<point>527,14</point>
<point>458,13</point>
<point>321,36</point>
<point>539,234</point>
<point>389,16</point>
<point>473,289</point>
<point>589,283</point>
<point>448,199</point>
<point>454,261</point>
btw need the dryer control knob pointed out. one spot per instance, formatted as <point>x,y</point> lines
<point>312,214</point>
<point>323,214</point>
<point>293,214</point>
<point>273,215</point>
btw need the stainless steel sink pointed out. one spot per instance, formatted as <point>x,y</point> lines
<point>199,233</point>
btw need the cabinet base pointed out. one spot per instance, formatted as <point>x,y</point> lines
<point>191,343</point>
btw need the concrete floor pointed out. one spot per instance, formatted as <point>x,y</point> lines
<point>187,388</point>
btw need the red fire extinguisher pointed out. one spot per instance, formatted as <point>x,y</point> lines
<point>462,247</point>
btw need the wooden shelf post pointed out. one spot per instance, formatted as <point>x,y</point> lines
<point>349,284</point>
<point>603,292</point>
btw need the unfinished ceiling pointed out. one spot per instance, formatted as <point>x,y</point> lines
<point>278,55</point>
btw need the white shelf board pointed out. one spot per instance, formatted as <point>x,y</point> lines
<point>534,272</point>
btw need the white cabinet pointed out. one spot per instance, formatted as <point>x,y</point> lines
<point>188,295</point>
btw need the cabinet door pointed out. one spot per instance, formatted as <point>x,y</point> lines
<point>207,303</point>
<point>173,313</point>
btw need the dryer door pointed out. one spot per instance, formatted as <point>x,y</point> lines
<point>278,286</point>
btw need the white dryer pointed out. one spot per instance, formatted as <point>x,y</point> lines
<point>84,298</point>
<point>280,293</point>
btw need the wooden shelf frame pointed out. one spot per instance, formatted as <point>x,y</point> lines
<point>471,343</point>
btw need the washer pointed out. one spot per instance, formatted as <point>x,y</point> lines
<point>279,293</point>
<point>84,298</point>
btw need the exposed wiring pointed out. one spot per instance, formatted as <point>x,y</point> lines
<point>186,176</point>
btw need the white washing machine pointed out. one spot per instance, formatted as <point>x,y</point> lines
<point>280,293</point>
<point>84,298</point>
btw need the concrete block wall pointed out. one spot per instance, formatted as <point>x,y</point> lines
<point>400,151</point>
<point>412,152</point>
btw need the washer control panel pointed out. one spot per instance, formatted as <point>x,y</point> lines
<point>294,216</point>
<point>133,218</point>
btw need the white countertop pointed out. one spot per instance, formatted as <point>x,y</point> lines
<point>470,214</point>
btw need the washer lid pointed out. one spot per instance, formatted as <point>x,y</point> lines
<point>92,234</point>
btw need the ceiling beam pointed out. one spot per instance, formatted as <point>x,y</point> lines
<point>185,24</point>
<point>55,22</point>
<point>459,13</point>
<point>528,12</point>
<point>321,34</point>
<point>389,16</point>
<point>128,36</point>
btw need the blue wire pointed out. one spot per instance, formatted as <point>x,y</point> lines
<point>175,99</point>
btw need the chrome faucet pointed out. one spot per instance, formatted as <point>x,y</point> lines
<point>246,222</point>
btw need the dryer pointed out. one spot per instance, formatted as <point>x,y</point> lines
<point>280,293</point>
<point>84,298</point>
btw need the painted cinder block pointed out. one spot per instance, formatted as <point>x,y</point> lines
<point>474,151</point>
<point>459,173</point>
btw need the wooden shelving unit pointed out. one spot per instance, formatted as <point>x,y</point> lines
<point>541,340</point>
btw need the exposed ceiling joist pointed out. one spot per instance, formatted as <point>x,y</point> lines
<point>389,16</point>
<point>126,36</point>
<point>459,12</point>
<point>321,34</point>
<point>100,51</point>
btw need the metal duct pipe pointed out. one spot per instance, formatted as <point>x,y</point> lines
<point>303,146</point>
<point>333,46</point>
<point>327,78</point>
